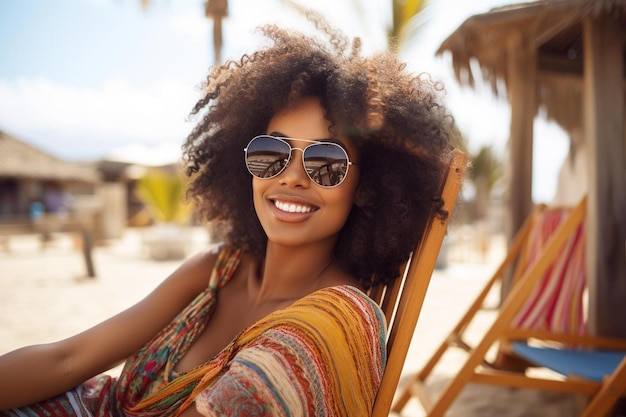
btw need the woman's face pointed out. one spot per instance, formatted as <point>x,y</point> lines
<point>293,209</point>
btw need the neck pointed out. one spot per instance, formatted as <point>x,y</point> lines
<point>291,272</point>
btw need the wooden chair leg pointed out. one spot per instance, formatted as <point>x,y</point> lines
<point>612,389</point>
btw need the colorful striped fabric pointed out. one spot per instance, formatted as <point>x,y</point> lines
<point>70,403</point>
<point>557,302</point>
<point>323,356</point>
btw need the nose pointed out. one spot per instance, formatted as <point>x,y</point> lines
<point>294,174</point>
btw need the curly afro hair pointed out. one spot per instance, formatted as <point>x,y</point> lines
<point>403,132</point>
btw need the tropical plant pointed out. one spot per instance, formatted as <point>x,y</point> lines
<point>404,15</point>
<point>216,10</point>
<point>485,173</point>
<point>486,165</point>
<point>162,193</point>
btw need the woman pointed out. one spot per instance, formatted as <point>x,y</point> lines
<point>325,166</point>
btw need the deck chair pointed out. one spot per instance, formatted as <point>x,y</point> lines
<point>566,350</point>
<point>402,301</point>
<point>524,249</point>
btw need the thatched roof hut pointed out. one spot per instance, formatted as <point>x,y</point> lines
<point>21,160</point>
<point>554,28</point>
<point>567,57</point>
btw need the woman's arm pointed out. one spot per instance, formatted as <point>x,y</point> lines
<point>38,372</point>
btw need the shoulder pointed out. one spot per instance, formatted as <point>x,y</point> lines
<point>201,264</point>
<point>196,273</point>
<point>337,315</point>
<point>346,300</point>
<point>203,259</point>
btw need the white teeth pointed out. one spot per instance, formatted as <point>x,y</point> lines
<point>292,208</point>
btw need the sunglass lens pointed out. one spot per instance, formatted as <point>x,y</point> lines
<point>326,164</point>
<point>266,156</point>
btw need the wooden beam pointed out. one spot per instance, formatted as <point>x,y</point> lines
<point>522,95</point>
<point>603,115</point>
<point>560,64</point>
<point>547,30</point>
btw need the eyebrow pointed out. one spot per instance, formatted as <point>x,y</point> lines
<point>284,136</point>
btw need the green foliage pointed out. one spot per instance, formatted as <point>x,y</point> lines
<point>162,193</point>
<point>486,166</point>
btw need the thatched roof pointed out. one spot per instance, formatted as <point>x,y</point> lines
<point>553,27</point>
<point>18,159</point>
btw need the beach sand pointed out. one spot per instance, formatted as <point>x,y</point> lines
<point>45,296</point>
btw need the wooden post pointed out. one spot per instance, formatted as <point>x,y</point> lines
<point>522,95</point>
<point>604,134</point>
<point>87,251</point>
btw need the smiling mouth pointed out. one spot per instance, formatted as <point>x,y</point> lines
<point>292,207</point>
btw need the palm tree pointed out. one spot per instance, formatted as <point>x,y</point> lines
<point>485,173</point>
<point>404,13</point>
<point>213,9</point>
<point>216,10</point>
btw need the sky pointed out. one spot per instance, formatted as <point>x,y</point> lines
<point>93,79</point>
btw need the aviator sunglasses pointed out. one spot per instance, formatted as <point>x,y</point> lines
<point>326,163</point>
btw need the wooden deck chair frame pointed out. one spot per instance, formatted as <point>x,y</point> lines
<point>402,302</point>
<point>456,338</point>
<point>603,394</point>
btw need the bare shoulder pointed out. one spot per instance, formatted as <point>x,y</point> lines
<point>204,258</point>
<point>194,273</point>
<point>337,276</point>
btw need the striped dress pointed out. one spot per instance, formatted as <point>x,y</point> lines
<point>322,356</point>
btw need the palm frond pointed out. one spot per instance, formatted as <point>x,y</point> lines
<point>162,193</point>
<point>404,12</point>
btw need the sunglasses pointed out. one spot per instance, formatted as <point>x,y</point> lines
<point>326,163</point>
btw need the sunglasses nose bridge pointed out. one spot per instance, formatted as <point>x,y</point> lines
<point>295,171</point>
<point>293,158</point>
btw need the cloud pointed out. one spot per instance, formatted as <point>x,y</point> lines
<point>115,111</point>
<point>98,2</point>
<point>156,155</point>
<point>190,23</point>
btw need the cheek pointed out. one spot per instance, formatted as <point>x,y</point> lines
<point>343,197</point>
<point>351,184</point>
<point>257,193</point>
